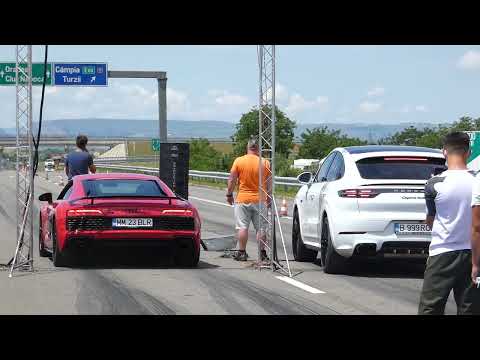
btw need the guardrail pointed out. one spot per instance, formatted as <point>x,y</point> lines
<point>130,159</point>
<point>212,175</point>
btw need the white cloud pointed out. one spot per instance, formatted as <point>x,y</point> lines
<point>177,101</point>
<point>228,99</point>
<point>470,60</point>
<point>421,108</point>
<point>322,100</point>
<point>377,91</point>
<point>281,92</point>
<point>369,107</point>
<point>298,103</point>
<point>405,109</point>
<point>85,94</point>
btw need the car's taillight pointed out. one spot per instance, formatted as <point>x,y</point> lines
<point>404,159</point>
<point>358,193</point>
<point>177,212</point>
<point>84,212</point>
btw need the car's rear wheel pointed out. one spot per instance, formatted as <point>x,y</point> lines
<point>187,256</point>
<point>58,257</point>
<point>41,246</point>
<point>300,252</point>
<point>332,262</point>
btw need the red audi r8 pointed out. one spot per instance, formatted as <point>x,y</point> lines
<point>123,210</point>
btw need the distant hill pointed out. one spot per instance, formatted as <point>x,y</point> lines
<point>193,129</point>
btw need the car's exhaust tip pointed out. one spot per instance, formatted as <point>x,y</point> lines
<point>366,250</point>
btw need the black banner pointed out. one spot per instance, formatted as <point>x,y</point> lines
<point>174,161</point>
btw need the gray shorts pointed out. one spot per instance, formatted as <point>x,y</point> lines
<point>246,213</point>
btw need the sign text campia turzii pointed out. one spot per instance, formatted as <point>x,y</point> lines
<point>80,74</point>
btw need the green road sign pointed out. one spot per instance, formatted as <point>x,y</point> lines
<point>7,74</point>
<point>474,159</point>
<point>156,145</point>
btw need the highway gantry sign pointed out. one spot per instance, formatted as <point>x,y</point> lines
<point>156,145</point>
<point>8,76</point>
<point>80,74</point>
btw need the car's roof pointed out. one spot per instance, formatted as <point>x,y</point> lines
<point>115,176</point>
<point>389,148</point>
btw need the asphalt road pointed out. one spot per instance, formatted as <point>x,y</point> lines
<point>120,284</point>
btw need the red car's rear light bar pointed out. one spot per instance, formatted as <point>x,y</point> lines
<point>177,212</point>
<point>358,193</point>
<point>84,212</point>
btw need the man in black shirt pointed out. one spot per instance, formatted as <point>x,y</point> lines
<point>78,162</point>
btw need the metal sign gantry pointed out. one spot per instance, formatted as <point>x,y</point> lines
<point>268,213</point>
<point>23,258</point>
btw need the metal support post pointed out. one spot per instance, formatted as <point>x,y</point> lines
<point>268,213</point>
<point>162,109</point>
<point>161,77</point>
<point>23,258</point>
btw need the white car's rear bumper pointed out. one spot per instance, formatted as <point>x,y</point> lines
<point>366,237</point>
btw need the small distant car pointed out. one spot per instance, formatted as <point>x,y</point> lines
<point>117,210</point>
<point>49,165</point>
<point>364,202</point>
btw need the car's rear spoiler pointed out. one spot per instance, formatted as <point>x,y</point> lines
<point>169,198</point>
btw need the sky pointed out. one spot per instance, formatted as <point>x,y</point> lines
<point>314,84</point>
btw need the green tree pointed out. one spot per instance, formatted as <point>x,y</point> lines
<point>203,156</point>
<point>248,125</point>
<point>431,136</point>
<point>317,143</point>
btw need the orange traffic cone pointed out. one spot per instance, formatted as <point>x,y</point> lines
<point>283,208</point>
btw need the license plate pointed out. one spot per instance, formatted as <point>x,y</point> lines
<point>412,229</point>
<point>132,222</point>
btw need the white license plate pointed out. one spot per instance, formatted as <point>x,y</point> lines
<point>412,229</point>
<point>132,222</point>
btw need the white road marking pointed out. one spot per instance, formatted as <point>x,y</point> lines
<point>210,201</point>
<point>300,285</point>
<point>227,205</point>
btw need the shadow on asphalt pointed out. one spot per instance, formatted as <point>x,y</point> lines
<point>37,271</point>
<point>386,269</point>
<point>131,260</point>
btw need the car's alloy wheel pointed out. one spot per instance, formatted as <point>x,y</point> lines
<point>41,247</point>
<point>332,262</point>
<point>300,252</point>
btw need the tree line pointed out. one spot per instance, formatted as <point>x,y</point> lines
<point>314,143</point>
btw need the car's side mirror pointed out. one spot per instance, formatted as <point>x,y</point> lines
<point>305,178</point>
<point>46,197</point>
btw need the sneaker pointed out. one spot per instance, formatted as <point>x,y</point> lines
<point>241,256</point>
<point>263,255</point>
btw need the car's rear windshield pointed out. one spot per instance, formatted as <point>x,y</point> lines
<point>400,167</point>
<point>122,187</point>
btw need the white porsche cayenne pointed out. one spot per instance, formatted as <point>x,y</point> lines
<point>364,202</point>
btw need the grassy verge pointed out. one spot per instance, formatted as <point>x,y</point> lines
<point>280,191</point>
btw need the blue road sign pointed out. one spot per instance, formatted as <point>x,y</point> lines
<point>80,74</point>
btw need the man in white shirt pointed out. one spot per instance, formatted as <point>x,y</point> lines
<point>448,198</point>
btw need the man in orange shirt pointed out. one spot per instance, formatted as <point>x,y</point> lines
<point>245,171</point>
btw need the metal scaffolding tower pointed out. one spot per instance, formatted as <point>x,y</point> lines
<point>266,112</point>
<point>23,258</point>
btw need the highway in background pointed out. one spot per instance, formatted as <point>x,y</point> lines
<point>136,285</point>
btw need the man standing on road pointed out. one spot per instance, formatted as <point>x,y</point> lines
<point>78,162</point>
<point>245,171</point>
<point>449,214</point>
<point>476,231</point>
